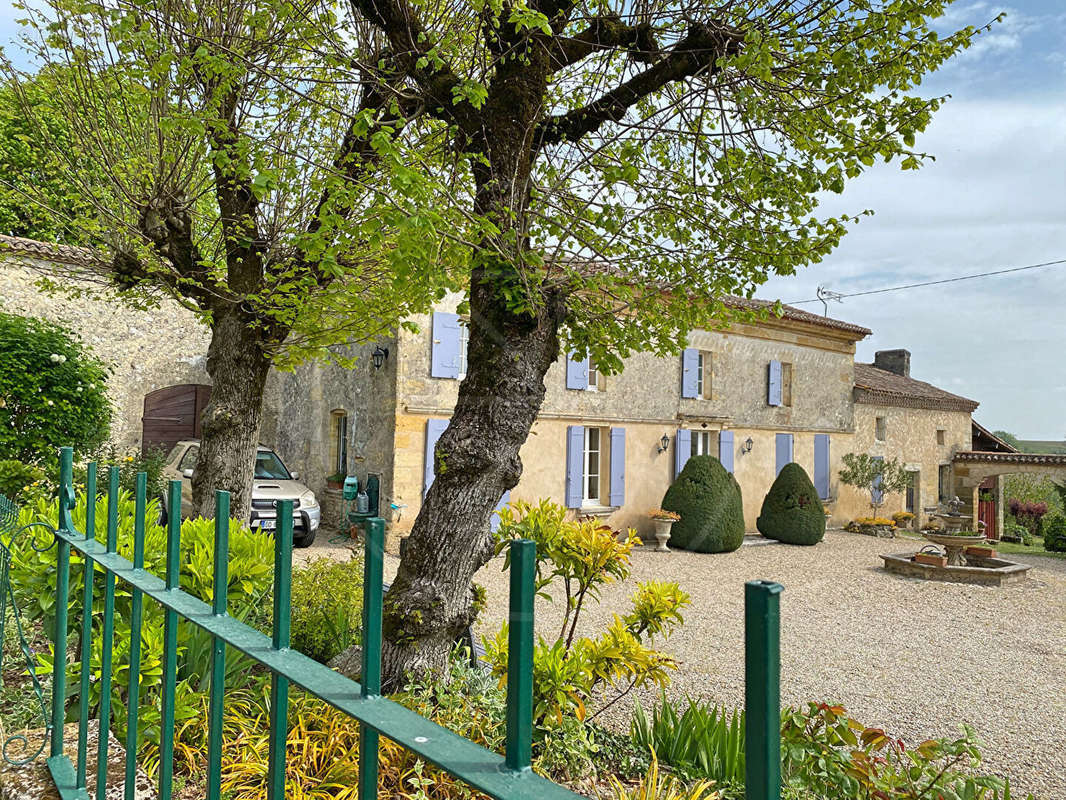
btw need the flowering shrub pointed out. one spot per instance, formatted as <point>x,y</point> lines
<point>1028,514</point>
<point>52,391</point>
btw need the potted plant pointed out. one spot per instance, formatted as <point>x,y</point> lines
<point>902,519</point>
<point>336,480</point>
<point>663,521</point>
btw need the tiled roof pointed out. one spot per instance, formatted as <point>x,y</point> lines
<point>46,251</point>
<point>998,445</point>
<point>880,387</point>
<point>1041,459</point>
<point>798,315</point>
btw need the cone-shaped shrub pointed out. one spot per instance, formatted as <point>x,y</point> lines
<point>792,512</point>
<point>712,512</point>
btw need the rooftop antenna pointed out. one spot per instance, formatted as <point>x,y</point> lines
<point>826,295</point>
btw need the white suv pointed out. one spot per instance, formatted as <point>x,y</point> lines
<point>272,482</point>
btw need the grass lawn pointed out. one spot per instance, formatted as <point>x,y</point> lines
<point>1028,550</point>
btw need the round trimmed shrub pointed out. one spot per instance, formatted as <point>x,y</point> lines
<point>711,507</point>
<point>791,512</point>
<point>52,391</point>
<point>1055,535</point>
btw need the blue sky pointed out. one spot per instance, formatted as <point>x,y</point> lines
<point>994,198</point>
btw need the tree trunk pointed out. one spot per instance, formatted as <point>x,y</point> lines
<point>430,602</point>
<point>229,427</point>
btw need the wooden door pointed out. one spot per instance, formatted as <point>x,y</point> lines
<point>172,414</point>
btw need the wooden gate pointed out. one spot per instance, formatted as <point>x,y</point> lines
<point>172,414</point>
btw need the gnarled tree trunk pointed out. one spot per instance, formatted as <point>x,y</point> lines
<point>238,368</point>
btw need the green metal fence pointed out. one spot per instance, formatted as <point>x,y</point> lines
<point>507,778</point>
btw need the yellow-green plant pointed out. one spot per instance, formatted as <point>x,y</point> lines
<point>658,785</point>
<point>582,557</point>
<point>327,604</point>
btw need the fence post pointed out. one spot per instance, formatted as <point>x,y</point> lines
<point>219,599</point>
<point>59,662</point>
<point>762,682</point>
<point>370,680</point>
<point>133,698</point>
<point>108,639</point>
<point>170,643</point>
<point>520,655</point>
<point>279,685</point>
<point>86,628</point>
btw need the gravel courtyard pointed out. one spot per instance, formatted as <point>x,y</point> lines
<point>918,658</point>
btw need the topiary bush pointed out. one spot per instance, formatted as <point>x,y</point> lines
<point>711,506</point>
<point>52,391</point>
<point>791,512</point>
<point>1055,535</point>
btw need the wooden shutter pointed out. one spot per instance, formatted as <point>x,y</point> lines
<point>494,520</point>
<point>444,353</point>
<point>725,449</point>
<point>575,465</point>
<point>577,373</point>
<point>434,428</point>
<point>878,494</point>
<point>784,451</point>
<point>617,486</point>
<point>821,464</point>
<point>690,365</point>
<point>773,384</point>
<point>682,450</point>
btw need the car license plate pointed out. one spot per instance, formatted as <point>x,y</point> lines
<point>268,524</point>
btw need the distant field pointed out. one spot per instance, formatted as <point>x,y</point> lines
<point>1037,446</point>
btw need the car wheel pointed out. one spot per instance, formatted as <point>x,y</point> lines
<point>305,540</point>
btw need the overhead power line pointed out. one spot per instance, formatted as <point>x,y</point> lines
<point>823,295</point>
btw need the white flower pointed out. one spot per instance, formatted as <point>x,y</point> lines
<point>54,358</point>
<point>62,359</point>
<point>50,403</point>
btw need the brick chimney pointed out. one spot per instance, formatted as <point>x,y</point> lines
<point>897,361</point>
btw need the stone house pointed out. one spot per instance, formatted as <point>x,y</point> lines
<point>757,395</point>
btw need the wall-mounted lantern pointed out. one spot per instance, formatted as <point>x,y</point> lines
<point>664,443</point>
<point>748,444</point>
<point>379,355</point>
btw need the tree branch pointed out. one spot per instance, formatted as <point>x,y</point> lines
<point>698,52</point>
<point>604,32</point>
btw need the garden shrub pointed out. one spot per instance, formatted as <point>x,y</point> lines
<point>709,501</point>
<point>791,512</point>
<point>1029,514</point>
<point>16,477</point>
<point>1055,535</point>
<point>327,607</point>
<point>53,391</point>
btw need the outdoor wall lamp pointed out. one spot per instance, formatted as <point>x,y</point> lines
<point>748,444</point>
<point>664,443</point>
<point>379,355</point>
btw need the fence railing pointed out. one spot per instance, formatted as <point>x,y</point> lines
<point>507,778</point>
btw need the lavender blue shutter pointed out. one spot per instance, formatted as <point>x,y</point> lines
<point>877,495</point>
<point>494,520</point>
<point>725,449</point>
<point>444,354</point>
<point>434,428</point>
<point>690,365</point>
<point>784,451</point>
<point>682,449</point>
<point>617,495</point>
<point>575,470</point>
<point>577,373</point>
<point>821,464</point>
<point>773,384</point>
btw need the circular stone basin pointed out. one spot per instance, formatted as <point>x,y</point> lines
<point>947,540</point>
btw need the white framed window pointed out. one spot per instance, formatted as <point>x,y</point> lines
<point>701,384</point>
<point>594,378</point>
<point>591,477</point>
<point>701,443</point>
<point>464,343</point>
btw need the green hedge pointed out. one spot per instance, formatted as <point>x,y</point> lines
<point>327,607</point>
<point>709,501</point>
<point>792,512</point>
<point>1055,535</point>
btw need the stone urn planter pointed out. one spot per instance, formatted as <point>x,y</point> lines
<point>662,522</point>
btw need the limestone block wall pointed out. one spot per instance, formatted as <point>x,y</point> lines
<point>910,437</point>
<point>145,349</point>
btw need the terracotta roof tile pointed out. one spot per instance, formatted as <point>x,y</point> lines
<point>876,386</point>
<point>46,251</point>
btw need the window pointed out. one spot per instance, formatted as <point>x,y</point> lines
<point>944,483</point>
<point>941,436</point>
<point>912,492</point>
<point>594,378</point>
<point>188,461</point>
<point>703,375</point>
<point>269,467</point>
<point>880,429</point>
<point>339,441</point>
<point>779,384</point>
<point>464,343</point>
<point>701,443</point>
<point>591,484</point>
<point>786,384</point>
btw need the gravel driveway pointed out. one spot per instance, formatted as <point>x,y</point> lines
<point>918,658</point>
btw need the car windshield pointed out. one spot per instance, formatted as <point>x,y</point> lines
<point>269,467</point>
